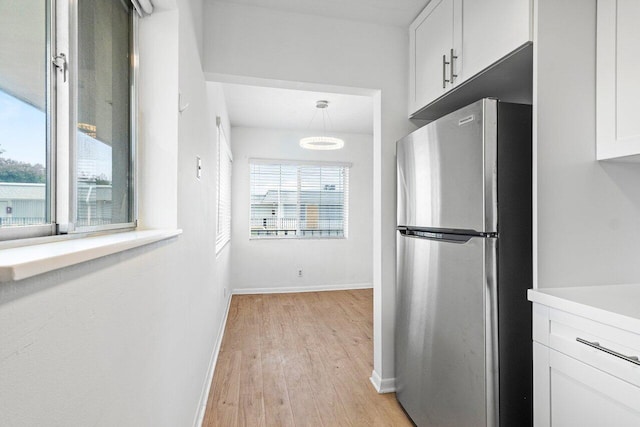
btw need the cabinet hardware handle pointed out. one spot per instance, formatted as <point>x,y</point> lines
<point>597,346</point>
<point>444,71</point>
<point>452,76</point>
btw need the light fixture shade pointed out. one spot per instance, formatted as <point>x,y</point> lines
<point>321,143</point>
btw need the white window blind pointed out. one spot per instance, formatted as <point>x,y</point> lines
<point>225,161</point>
<point>303,200</point>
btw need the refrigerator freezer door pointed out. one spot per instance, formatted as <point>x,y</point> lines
<point>445,332</point>
<point>447,171</point>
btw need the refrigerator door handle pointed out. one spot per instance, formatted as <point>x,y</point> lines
<point>432,235</point>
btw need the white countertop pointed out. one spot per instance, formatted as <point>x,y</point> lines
<point>616,305</point>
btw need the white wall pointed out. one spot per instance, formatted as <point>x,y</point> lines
<point>273,263</point>
<point>126,340</point>
<point>588,212</point>
<point>157,151</point>
<point>257,42</point>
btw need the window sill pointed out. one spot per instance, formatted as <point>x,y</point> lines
<point>298,238</point>
<point>19,263</point>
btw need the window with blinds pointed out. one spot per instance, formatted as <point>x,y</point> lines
<point>225,161</point>
<point>299,200</point>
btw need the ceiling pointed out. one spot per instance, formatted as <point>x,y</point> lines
<point>386,12</point>
<point>276,108</point>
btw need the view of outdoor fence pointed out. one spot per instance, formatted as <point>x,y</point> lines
<point>299,200</point>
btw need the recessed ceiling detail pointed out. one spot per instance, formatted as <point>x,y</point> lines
<point>384,12</point>
<point>289,109</point>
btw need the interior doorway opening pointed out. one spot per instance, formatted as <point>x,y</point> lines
<point>373,252</point>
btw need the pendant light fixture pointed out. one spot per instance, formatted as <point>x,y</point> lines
<point>323,142</point>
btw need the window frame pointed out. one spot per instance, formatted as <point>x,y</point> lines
<point>346,199</point>
<point>72,218</point>
<point>61,127</point>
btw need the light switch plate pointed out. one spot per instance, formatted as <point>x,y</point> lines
<point>199,167</point>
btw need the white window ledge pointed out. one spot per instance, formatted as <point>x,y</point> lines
<point>19,263</point>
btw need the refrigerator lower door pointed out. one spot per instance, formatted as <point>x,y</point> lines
<point>446,357</point>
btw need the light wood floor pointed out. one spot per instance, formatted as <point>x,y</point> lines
<point>299,360</point>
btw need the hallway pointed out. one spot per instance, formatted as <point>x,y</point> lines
<point>299,359</point>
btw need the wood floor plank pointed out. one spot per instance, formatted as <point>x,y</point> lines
<point>226,382</point>
<point>327,400</point>
<point>251,401</point>
<point>299,360</point>
<point>301,396</point>
<point>276,396</point>
<point>251,396</point>
<point>338,363</point>
<point>233,328</point>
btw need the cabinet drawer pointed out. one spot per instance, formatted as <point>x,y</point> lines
<point>571,335</point>
<point>581,395</point>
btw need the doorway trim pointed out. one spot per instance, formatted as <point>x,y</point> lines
<point>382,385</point>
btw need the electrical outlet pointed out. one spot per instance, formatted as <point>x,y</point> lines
<point>300,272</point>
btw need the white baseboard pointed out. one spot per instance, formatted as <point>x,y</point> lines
<point>311,288</point>
<point>386,385</point>
<point>206,387</point>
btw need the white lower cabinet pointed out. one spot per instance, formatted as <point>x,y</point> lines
<point>584,372</point>
<point>577,394</point>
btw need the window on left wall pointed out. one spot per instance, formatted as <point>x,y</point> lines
<point>67,116</point>
<point>225,163</point>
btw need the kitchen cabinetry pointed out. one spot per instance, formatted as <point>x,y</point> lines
<point>618,86</point>
<point>432,43</point>
<point>585,371</point>
<point>490,30</point>
<point>452,41</point>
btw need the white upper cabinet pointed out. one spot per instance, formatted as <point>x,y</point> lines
<point>432,40</point>
<point>491,29</point>
<point>618,81</point>
<point>453,40</point>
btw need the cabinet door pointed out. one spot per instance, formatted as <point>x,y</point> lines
<point>618,85</point>
<point>431,37</point>
<point>581,395</point>
<point>491,30</point>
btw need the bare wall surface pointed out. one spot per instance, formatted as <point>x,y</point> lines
<point>588,212</point>
<point>258,42</point>
<point>126,340</point>
<point>273,263</point>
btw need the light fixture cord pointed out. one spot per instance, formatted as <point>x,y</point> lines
<point>312,118</point>
<point>324,124</point>
<point>329,120</point>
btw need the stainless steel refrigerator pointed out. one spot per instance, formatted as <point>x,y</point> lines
<point>463,323</point>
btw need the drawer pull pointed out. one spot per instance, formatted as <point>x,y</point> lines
<point>597,346</point>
